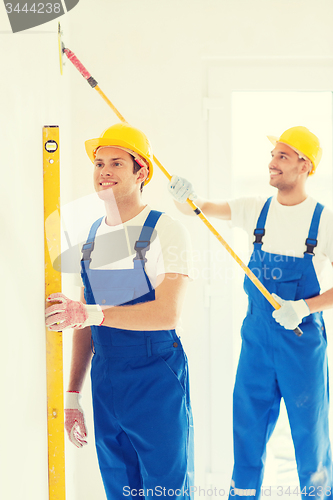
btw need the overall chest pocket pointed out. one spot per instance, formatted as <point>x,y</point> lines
<point>286,283</point>
<point>117,287</point>
<point>113,297</point>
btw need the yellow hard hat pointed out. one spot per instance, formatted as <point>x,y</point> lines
<point>301,140</point>
<point>124,137</point>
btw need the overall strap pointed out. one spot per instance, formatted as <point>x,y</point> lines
<point>143,243</point>
<point>311,241</point>
<point>260,229</point>
<point>88,247</point>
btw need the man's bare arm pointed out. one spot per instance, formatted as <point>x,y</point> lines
<point>321,302</point>
<point>160,314</point>
<point>218,209</point>
<point>81,356</point>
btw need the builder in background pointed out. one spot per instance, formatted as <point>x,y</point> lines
<point>293,243</point>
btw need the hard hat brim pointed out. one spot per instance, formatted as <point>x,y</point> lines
<point>274,140</point>
<point>92,144</point>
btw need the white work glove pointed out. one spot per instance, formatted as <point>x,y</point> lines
<point>181,189</point>
<point>74,419</point>
<point>71,314</point>
<point>291,312</point>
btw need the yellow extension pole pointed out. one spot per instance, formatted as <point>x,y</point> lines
<point>204,219</point>
<point>92,82</point>
<point>54,357</point>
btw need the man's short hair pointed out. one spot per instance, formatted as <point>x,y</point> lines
<point>136,168</point>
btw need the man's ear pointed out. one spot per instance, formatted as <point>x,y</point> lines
<point>307,166</point>
<point>142,174</point>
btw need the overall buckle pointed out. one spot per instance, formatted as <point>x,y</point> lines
<point>141,247</point>
<point>87,248</point>
<point>310,245</point>
<point>258,233</point>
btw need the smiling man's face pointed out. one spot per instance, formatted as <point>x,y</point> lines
<point>285,167</point>
<point>113,170</point>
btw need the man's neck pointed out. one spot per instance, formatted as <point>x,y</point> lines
<point>292,197</point>
<point>120,212</point>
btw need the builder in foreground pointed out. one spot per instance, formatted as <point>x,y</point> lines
<point>140,389</point>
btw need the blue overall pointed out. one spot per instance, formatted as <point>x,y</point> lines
<point>140,388</point>
<point>275,363</point>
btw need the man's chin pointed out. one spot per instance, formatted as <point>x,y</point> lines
<point>106,194</point>
<point>273,182</point>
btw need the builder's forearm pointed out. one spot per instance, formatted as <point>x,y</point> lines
<point>154,315</point>
<point>81,357</point>
<point>321,302</point>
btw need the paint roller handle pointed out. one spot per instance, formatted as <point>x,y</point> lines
<point>277,305</point>
<point>84,72</point>
<point>79,66</point>
<point>270,298</point>
<point>298,331</point>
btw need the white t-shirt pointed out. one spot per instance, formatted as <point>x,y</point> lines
<point>169,252</point>
<point>286,230</point>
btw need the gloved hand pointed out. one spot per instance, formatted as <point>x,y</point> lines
<point>74,419</point>
<point>181,189</point>
<point>291,312</point>
<point>71,314</point>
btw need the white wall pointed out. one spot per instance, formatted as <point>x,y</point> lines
<point>148,58</point>
<point>30,98</point>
